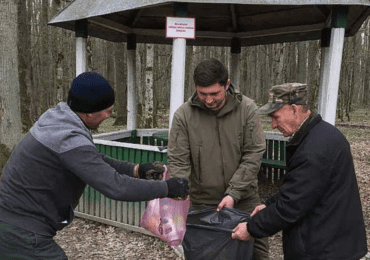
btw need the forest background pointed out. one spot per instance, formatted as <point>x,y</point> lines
<point>43,57</point>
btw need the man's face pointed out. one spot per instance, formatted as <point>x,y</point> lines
<point>213,96</point>
<point>285,120</point>
<point>95,119</point>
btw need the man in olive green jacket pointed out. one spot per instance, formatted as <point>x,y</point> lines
<point>216,140</point>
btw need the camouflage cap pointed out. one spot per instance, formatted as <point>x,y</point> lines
<point>288,93</point>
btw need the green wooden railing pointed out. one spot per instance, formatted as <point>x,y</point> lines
<point>144,145</point>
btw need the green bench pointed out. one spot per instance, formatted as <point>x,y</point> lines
<point>274,159</point>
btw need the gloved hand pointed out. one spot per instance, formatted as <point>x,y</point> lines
<point>151,170</point>
<point>177,188</point>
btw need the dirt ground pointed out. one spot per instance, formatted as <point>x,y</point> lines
<point>90,240</point>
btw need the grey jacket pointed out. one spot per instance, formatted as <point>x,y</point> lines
<point>47,173</point>
<point>220,153</point>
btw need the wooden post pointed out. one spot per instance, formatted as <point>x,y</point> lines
<point>81,40</point>
<point>178,66</point>
<point>235,62</point>
<point>131,81</point>
<point>331,64</point>
<point>325,43</point>
<point>177,76</point>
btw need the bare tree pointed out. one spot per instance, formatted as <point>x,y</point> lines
<point>189,69</point>
<point>24,64</point>
<point>45,59</point>
<point>313,71</point>
<point>10,115</point>
<point>302,62</point>
<point>121,84</point>
<point>148,92</point>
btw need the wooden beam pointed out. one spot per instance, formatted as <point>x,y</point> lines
<point>207,34</point>
<point>109,24</point>
<point>354,27</point>
<point>136,18</point>
<point>281,31</point>
<point>233,17</point>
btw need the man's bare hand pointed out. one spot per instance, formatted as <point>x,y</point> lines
<point>258,209</point>
<point>227,202</point>
<point>240,232</point>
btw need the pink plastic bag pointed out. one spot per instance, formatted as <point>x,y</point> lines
<point>166,218</point>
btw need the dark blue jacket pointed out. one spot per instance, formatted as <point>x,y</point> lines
<point>50,167</point>
<point>318,206</point>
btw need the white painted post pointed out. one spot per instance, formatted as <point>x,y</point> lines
<point>325,42</point>
<point>332,59</point>
<point>235,62</point>
<point>81,42</point>
<point>131,80</point>
<point>235,70</point>
<point>80,55</point>
<point>332,83</point>
<point>177,76</point>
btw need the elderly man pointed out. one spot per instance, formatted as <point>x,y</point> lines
<point>49,169</point>
<point>318,207</point>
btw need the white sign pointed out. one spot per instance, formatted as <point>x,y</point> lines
<point>177,27</point>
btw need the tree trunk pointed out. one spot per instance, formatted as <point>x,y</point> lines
<point>24,64</point>
<point>252,72</point>
<point>365,97</point>
<point>56,57</point>
<point>148,97</point>
<point>289,63</point>
<point>359,62</point>
<point>262,75</point>
<point>121,84</point>
<point>279,67</point>
<point>10,115</point>
<point>140,67</point>
<point>302,62</point>
<point>313,72</point>
<point>189,70</point>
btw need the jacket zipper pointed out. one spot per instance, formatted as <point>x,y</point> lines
<point>219,141</point>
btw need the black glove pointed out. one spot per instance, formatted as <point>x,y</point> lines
<point>151,170</point>
<point>177,188</point>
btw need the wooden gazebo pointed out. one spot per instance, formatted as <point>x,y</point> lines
<point>234,23</point>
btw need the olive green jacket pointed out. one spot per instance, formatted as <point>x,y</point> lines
<point>220,153</point>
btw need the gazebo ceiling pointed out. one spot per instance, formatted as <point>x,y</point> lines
<point>254,22</point>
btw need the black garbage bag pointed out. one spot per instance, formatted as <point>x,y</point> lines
<point>208,235</point>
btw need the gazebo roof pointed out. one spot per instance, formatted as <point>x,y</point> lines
<point>217,22</point>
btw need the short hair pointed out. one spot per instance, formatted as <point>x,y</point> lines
<point>209,72</point>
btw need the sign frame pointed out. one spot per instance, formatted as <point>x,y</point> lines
<point>180,27</point>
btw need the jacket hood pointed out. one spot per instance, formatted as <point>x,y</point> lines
<point>234,98</point>
<point>60,129</point>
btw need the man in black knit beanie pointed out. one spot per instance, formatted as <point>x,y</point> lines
<point>50,167</point>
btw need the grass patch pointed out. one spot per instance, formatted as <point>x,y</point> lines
<point>358,129</point>
<point>107,126</point>
<point>354,134</point>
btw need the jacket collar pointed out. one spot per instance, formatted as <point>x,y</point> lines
<point>234,98</point>
<point>310,123</point>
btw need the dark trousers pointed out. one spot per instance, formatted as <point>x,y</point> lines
<point>260,245</point>
<point>19,244</point>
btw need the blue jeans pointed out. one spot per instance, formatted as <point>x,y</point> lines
<point>19,244</point>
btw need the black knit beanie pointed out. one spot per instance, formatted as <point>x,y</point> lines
<point>90,92</point>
